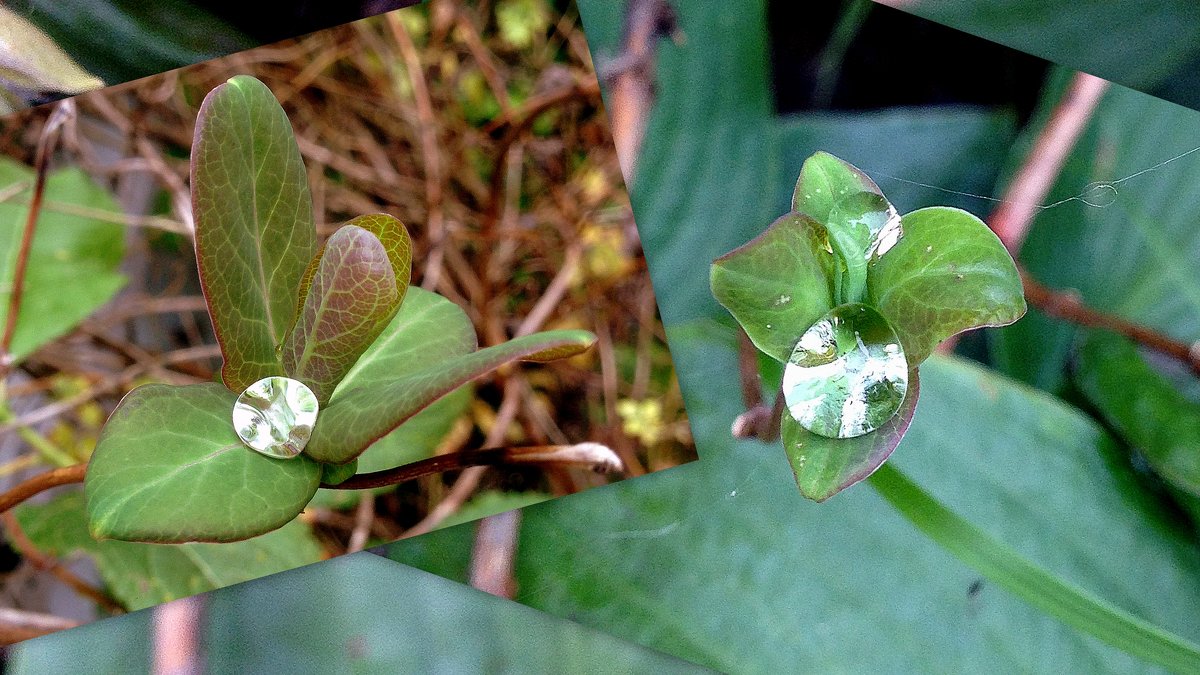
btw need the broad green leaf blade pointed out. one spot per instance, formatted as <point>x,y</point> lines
<point>414,440</point>
<point>143,575</point>
<point>394,237</point>
<point>1058,598</point>
<point>254,225</point>
<point>366,411</point>
<point>69,252</point>
<point>176,446</point>
<point>355,614</point>
<point>826,180</point>
<point>352,299</point>
<point>777,285</point>
<point>825,466</point>
<point>428,329</point>
<point>853,565</point>
<point>1143,407</point>
<point>1159,41</point>
<point>948,273</point>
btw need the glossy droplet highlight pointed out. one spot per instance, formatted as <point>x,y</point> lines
<point>275,416</point>
<point>847,375</point>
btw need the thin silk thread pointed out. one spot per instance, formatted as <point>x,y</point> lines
<point>1098,194</point>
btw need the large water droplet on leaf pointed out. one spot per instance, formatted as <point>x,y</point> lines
<point>872,215</point>
<point>847,375</point>
<point>275,416</point>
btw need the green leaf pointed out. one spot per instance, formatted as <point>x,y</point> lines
<point>826,180</point>
<point>332,474</point>
<point>777,285</point>
<point>428,330</point>
<point>825,466</point>
<point>363,413</point>
<point>853,210</point>
<point>176,446</point>
<point>254,225</point>
<point>123,40</point>
<point>352,299</point>
<point>1158,49</point>
<point>414,440</point>
<point>68,252</point>
<point>355,614</point>
<point>142,575</point>
<point>1060,599</point>
<point>948,273</point>
<point>1143,407</point>
<point>394,237</point>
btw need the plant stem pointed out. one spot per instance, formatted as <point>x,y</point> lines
<point>41,162</point>
<point>1064,601</point>
<point>30,552</point>
<point>1032,182</point>
<point>599,457</point>
<point>44,446</point>
<point>42,482</point>
<point>1069,307</point>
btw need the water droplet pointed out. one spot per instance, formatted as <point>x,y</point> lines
<point>847,375</point>
<point>275,416</point>
<point>1099,195</point>
<point>886,237</point>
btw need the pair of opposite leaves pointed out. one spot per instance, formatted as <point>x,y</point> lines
<point>169,466</point>
<point>852,297</point>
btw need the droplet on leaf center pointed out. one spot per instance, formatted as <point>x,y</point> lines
<point>275,416</point>
<point>847,375</point>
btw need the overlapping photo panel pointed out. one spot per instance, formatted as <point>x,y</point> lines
<point>840,204</point>
<point>311,298</point>
<point>57,48</point>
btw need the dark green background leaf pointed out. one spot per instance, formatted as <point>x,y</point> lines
<point>357,613</point>
<point>1143,407</point>
<point>1159,41</point>
<point>142,575</point>
<point>726,546</point>
<point>254,225</point>
<point>683,559</point>
<point>169,468</point>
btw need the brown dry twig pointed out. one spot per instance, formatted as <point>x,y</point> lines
<point>40,483</point>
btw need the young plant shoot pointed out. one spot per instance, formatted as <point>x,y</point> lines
<point>325,350</point>
<point>851,297</point>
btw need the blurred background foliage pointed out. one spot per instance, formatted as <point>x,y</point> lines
<point>1153,47</point>
<point>481,128</point>
<point>359,614</point>
<point>122,40</point>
